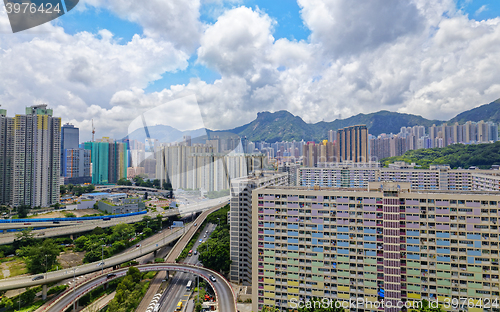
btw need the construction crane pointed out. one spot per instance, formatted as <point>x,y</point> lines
<point>93,130</point>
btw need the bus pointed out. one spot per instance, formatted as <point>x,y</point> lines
<point>190,253</point>
<point>188,286</point>
<point>179,306</point>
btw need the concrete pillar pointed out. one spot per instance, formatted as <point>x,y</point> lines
<point>71,236</point>
<point>5,231</point>
<point>154,253</point>
<point>168,275</point>
<point>44,291</point>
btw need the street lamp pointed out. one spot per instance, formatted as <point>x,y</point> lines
<point>218,221</point>
<point>74,289</point>
<point>102,259</point>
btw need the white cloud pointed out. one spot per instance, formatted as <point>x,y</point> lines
<point>176,21</point>
<point>422,56</point>
<point>481,10</point>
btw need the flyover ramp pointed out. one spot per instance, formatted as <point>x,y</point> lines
<point>225,295</point>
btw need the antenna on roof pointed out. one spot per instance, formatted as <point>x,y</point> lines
<point>93,130</point>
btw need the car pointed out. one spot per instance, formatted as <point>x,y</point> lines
<point>212,278</point>
<point>138,245</point>
<point>110,275</point>
<point>36,278</point>
<point>196,252</point>
<point>100,264</point>
<point>195,224</point>
<point>206,232</point>
<point>204,235</point>
<point>201,240</point>
<point>56,222</point>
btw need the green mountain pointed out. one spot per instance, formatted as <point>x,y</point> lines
<point>486,112</point>
<point>455,155</point>
<point>283,126</point>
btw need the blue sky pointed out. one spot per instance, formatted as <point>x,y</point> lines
<point>288,25</point>
<point>351,58</point>
<point>286,13</point>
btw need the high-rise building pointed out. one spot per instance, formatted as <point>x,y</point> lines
<point>352,144</point>
<point>109,161</point>
<point>70,139</point>
<point>76,166</point>
<point>241,221</point>
<point>382,242</point>
<point>332,136</point>
<point>75,161</point>
<point>199,167</point>
<point>30,163</point>
<point>6,156</point>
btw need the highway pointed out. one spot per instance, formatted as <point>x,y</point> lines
<point>26,281</point>
<point>176,290</point>
<point>201,206</point>
<point>84,226</point>
<point>223,290</point>
<point>174,254</point>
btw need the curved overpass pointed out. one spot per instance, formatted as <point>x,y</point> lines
<point>225,296</point>
<point>127,187</point>
<point>27,281</point>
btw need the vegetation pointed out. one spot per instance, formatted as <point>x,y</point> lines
<point>124,181</point>
<point>129,292</point>
<point>69,215</point>
<point>487,112</point>
<point>22,211</point>
<point>76,190</point>
<point>147,183</point>
<point>214,253</point>
<point>42,257</point>
<point>456,155</point>
<point>116,238</point>
<point>217,194</point>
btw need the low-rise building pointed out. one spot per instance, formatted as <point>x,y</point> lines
<point>124,205</point>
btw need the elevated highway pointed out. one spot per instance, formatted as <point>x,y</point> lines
<point>81,226</point>
<point>225,295</point>
<point>55,276</point>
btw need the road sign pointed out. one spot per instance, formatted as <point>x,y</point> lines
<point>178,224</point>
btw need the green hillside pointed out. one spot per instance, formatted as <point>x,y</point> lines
<point>486,112</point>
<point>456,155</point>
<point>283,126</point>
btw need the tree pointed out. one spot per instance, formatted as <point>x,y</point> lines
<point>124,181</point>
<point>28,295</point>
<point>6,302</point>
<point>123,230</point>
<point>24,238</point>
<point>62,189</point>
<point>23,210</point>
<point>35,256</point>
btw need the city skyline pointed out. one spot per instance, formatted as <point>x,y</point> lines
<point>241,57</point>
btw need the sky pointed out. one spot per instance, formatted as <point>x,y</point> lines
<point>216,63</point>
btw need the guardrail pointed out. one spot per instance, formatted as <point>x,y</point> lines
<point>171,266</point>
<point>123,215</point>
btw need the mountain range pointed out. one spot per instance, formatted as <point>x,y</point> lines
<point>284,126</point>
